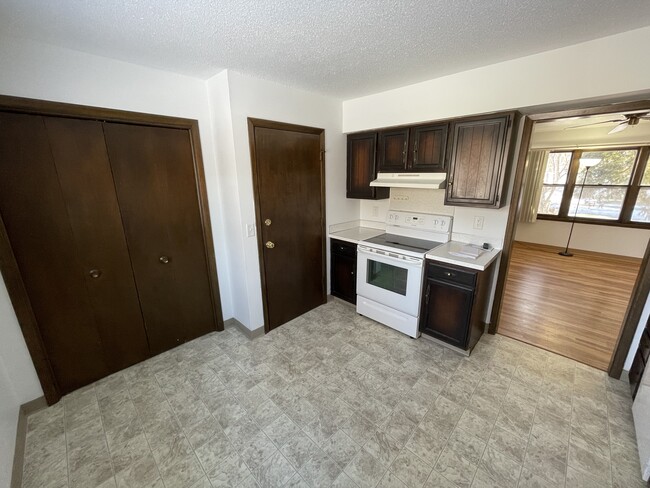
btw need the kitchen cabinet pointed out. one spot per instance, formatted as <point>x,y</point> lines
<point>454,301</point>
<point>478,151</point>
<point>362,167</point>
<point>343,274</point>
<point>419,149</point>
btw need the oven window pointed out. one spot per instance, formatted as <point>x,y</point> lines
<point>387,276</point>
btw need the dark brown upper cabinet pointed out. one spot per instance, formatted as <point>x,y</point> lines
<point>420,149</point>
<point>478,151</point>
<point>393,150</point>
<point>428,145</point>
<point>362,167</point>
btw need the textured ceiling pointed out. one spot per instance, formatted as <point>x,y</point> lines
<point>343,48</point>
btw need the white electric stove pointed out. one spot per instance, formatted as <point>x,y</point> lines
<point>390,268</point>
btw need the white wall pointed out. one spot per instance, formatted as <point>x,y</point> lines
<point>549,77</point>
<point>251,97</point>
<point>623,241</point>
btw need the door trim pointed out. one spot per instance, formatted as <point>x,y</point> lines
<point>254,123</point>
<point>8,265</point>
<point>642,286</point>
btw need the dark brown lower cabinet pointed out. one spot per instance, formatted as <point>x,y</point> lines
<point>102,243</point>
<point>454,301</point>
<point>343,266</point>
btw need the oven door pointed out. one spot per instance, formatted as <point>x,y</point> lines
<point>391,279</point>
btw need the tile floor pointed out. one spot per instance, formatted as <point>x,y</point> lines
<point>334,399</point>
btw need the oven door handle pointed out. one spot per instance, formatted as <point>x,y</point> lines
<point>389,255</point>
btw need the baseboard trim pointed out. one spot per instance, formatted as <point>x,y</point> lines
<point>24,411</point>
<point>251,334</point>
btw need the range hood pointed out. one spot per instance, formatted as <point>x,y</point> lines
<point>410,180</point>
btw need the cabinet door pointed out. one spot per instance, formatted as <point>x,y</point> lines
<point>343,274</point>
<point>393,148</point>
<point>428,148</point>
<point>446,312</point>
<point>477,159</point>
<point>153,169</point>
<point>362,152</point>
<point>86,181</point>
<point>36,221</point>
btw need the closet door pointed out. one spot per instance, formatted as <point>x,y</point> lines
<point>153,170</point>
<point>81,160</point>
<point>36,220</point>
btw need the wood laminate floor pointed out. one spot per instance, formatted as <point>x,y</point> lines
<point>573,306</point>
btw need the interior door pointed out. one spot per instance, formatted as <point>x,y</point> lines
<point>154,174</point>
<point>290,202</point>
<point>84,172</point>
<point>35,217</point>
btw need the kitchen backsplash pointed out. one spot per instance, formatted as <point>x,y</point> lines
<point>493,221</point>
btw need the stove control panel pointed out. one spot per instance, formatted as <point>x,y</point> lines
<point>420,221</point>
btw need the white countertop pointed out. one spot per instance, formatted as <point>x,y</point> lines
<point>442,254</point>
<point>356,234</point>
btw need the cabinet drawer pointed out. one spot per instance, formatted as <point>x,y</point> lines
<point>644,346</point>
<point>343,248</point>
<point>452,275</point>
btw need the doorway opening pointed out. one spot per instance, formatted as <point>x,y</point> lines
<point>574,277</point>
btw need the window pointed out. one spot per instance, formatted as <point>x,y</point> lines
<point>613,190</point>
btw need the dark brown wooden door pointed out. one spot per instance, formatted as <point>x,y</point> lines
<point>362,168</point>
<point>393,149</point>
<point>35,216</point>
<point>153,170</point>
<point>428,145</point>
<point>476,161</point>
<point>289,191</point>
<point>84,172</point>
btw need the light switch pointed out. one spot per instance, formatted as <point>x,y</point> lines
<point>250,230</point>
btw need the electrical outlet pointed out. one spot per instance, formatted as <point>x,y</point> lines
<point>250,230</point>
<point>478,222</point>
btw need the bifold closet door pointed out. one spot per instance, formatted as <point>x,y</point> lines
<point>58,206</point>
<point>86,180</point>
<point>154,174</point>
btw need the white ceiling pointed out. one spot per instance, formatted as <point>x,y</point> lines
<point>343,48</point>
<point>574,132</point>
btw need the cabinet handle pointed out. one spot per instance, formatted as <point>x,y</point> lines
<point>269,245</point>
<point>426,295</point>
<point>95,273</point>
<point>164,259</point>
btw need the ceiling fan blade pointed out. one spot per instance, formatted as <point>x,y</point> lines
<point>620,127</point>
<point>596,123</point>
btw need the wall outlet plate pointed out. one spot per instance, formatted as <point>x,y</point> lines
<point>250,230</point>
<point>479,220</point>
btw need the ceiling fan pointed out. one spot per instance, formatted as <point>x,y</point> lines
<point>630,119</point>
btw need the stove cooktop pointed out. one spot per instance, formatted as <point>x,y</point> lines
<point>403,243</point>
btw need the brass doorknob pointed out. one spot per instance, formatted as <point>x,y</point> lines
<point>267,222</point>
<point>269,245</point>
<point>163,259</point>
<point>95,273</point>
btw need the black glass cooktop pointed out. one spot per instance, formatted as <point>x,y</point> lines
<point>403,242</point>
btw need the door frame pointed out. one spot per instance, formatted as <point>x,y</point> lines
<point>642,286</point>
<point>254,123</point>
<point>8,265</point>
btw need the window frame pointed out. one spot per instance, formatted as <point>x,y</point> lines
<point>632,189</point>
